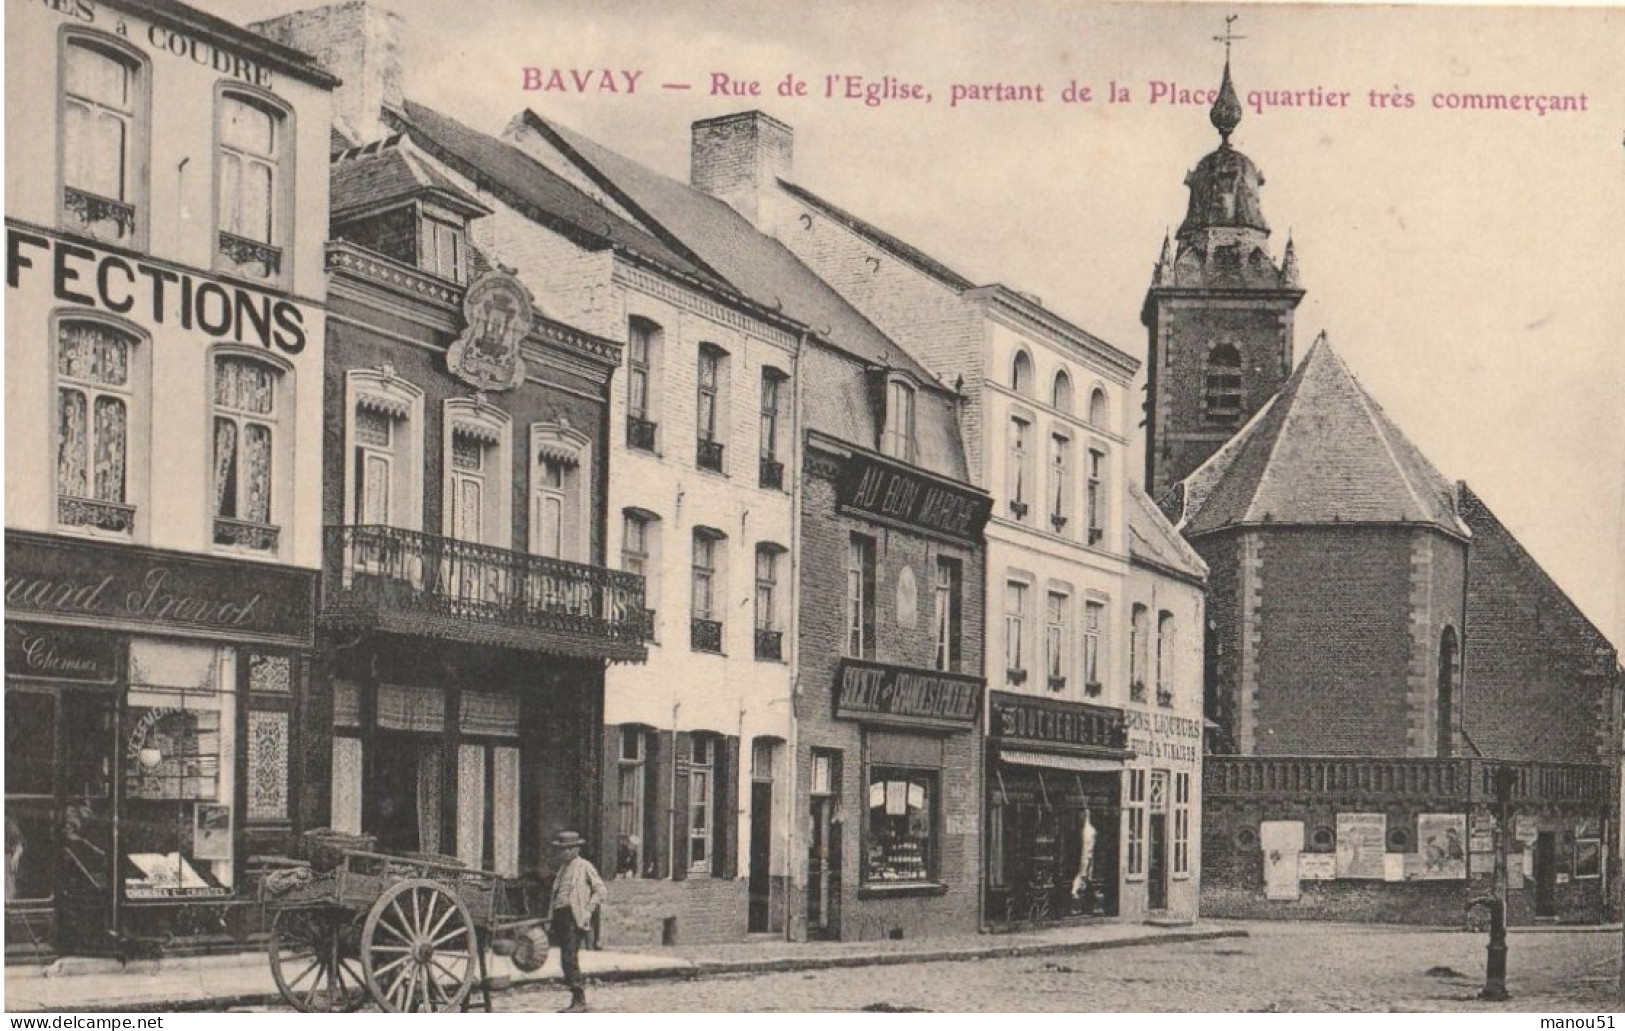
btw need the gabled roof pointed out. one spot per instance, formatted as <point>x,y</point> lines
<point>1321,452</point>
<point>540,193</point>
<point>381,173</point>
<point>882,239</point>
<point>1153,541</point>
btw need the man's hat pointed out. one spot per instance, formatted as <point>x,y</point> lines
<point>567,839</point>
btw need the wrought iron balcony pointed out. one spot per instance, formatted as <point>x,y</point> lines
<point>402,581</point>
<point>705,635</point>
<point>99,515</point>
<point>244,534</point>
<point>94,213</point>
<point>246,253</point>
<point>772,474</point>
<point>1096,534</point>
<point>769,645</point>
<point>708,455</point>
<point>640,433</point>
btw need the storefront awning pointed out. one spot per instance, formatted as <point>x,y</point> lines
<point>1075,763</point>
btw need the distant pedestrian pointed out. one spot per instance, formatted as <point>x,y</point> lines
<point>578,891</point>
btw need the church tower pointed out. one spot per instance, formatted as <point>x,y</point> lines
<point>1219,311</point>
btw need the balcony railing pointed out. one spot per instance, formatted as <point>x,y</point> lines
<point>92,211</point>
<point>410,582</point>
<point>705,635</point>
<point>708,455</point>
<point>640,434</point>
<point>772,474</point>
<point>111,516</point>
<point>241,533</point>
<point>243,253</point>
<point>770,645</point>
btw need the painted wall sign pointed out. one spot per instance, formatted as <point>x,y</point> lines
<point>497,311</point>
<point>154,294</point>
<point>1057,726</point>
<point>60,653</point>
<point>1362,844</point>
<point>109,584</point>
<point>872,485</point>
<point>877,693</point>
<point>170,41</point>
<point>1160,735</point>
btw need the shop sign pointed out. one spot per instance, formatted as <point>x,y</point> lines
<point>876,693</point>
<point>1161,735</point>
<point>105,584</point>
<point>870,485</point>
<point>60,653</point>
<point>1056,726</point>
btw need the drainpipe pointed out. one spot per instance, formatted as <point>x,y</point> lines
<point>794,885</point>
<point>671,802</point>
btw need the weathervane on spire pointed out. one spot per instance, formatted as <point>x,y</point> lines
<point>1228,37</point>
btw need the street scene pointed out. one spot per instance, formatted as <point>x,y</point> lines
<point>745,510</point>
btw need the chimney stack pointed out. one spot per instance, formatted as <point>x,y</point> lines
<point>361,43</point>
<point>736,159</point>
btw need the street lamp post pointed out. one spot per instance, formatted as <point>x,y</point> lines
<point>1495,967</point>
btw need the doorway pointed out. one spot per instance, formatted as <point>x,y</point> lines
<point>1546,874</point>
<point>1156,867</point>
<point>824,849</point>
<point>761,856</point>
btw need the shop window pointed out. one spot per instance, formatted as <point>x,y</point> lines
<point>100,405</point>
<point>1015,632</point>
<point>1182,824</point>
<point>710,412</point>
<point>104,88</point>
<point>949,615</point>
<point>772,468</point>
<point>900,846</point>
<point>898,440</point>
<point>769,629</point>
<point>1134,801</point>
<point>642,352</point>
<point>1060,395</point>
<point>706,624</point>
<point>1018,474</point>
<point>1057,633</point>
<point>1060,476</point>
<point>1095,489</point>
<point>386,450</point>
<point>176,838</point>
<point>860,596</point>
<point>997,876</point>
<point>250,409</point>
<point>405,790</point>
<point>251,169</point>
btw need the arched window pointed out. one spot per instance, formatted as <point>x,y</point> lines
<point>251,184</point>
<point>383,477</point>
<point>1098,412</point>
<point>103,133</point>
<point>1448,649</point>
<point>559,515</point>
<point>1021,373</point>
<point>769,602</point>
<point>1221,384</point>
<point>643,343</point>
<point>250,410</point>
<point>99,404</point>
<point>477,474</point>
<point>1060,395</point>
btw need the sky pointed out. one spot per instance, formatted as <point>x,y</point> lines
<point>1466,264</point>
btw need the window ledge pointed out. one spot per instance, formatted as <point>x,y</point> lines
<point>1180,876</point>
<point>913,889</point>
<point>1134,878</point>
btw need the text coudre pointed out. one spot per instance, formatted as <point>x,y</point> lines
<point>155,294</point>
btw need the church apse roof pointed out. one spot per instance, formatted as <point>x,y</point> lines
<point>1321,452</point>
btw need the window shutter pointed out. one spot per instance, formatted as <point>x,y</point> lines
<point>727,810</point>
<point>658,804</point>
<point>684,743</point>
<point>609,813</point>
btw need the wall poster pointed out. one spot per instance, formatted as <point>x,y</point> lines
<point>1281,841</point>
<point>1361,845</point>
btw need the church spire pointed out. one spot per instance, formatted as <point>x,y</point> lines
<point>1226,112</point>
<point>1289,264</point>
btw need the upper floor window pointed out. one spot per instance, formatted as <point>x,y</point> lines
<point>444,249</point>
<point>1055,639</point>
<point>1018,473</point>
<point>772,469</point>
<point>1060,395</point>
<point>559,514</point>
<point>103,101</point>
<point>860,596</point>
<point>1096,488</point>
<point>949,614</point>
<point>710,415</point>
<point>705,632</point>
<point>642,345</point>
<point>1021,373</point>
<point>386,450</point>
<point>769,618</point>
<point>1098,412</point>
<point>1015,631</point>
<point>251,164</point>
<point>1060,478</point>
<point>898,438</point>
<point>477,473</point>
<point>1165,658</point>
<point>96,402</point>
<point>640,543</point>
<point>1221,384</point>
<point>1094,615</point>
<point>1139,652</point>
<point>246,438</point>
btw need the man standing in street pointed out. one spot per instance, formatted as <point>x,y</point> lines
<point>578,891</point>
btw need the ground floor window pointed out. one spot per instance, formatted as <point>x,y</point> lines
<point>901,826</point>
<point>1134,822</point>
<point>1054,833</point>
<point>1182,823</point>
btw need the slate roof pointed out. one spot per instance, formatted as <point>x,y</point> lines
<point>542,194</point>
<point>882,239</point>
<point>764,270</point>
<point>1321,452</point>
<point>1152,539</point>
<point>378,173</point>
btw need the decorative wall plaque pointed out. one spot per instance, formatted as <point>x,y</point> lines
<point>497,309</point>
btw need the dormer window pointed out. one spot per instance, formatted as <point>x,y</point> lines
<point>442,248</point>
<point>898,438</point>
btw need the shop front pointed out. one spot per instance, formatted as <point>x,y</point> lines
<point>151,708</point>
<point>1054,788</point>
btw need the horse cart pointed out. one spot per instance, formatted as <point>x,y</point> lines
<point>409,932</point>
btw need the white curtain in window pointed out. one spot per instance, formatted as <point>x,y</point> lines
<point>505,811</point>
<point>428,797</point>
<point>346,785</point>
<point>471,805</point>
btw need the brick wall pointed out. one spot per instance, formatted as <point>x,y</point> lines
<point>698,911</point>
<point>1539,676</point>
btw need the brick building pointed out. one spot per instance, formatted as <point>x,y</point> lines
<point>1378,645</point>
<point>165,313</point>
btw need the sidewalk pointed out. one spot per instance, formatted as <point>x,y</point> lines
<point>216,983</point>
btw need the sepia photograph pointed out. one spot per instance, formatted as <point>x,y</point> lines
<point>1057,506</point>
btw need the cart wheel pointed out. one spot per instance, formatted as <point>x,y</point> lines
<point>309,963</point>
<point>418,949</point>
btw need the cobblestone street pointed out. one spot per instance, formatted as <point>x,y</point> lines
<point>1278,968</point>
